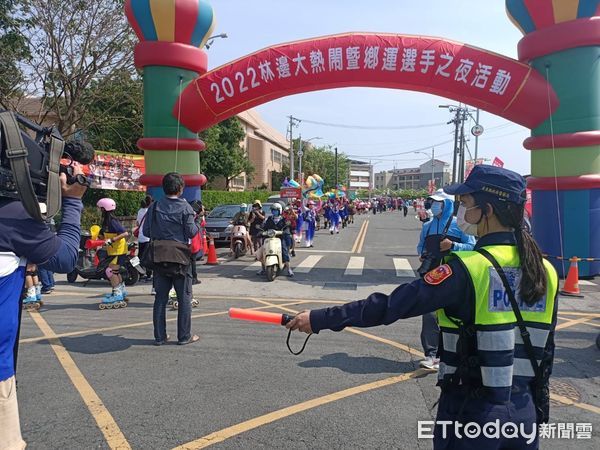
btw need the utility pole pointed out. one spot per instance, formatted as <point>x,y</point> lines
<point>454,162</point>
<point>432,167</point>
<point>476,136</point>
<point>293,123</point>
<point>336,168</point>
<point>300,153</point>
<point>461,170</point>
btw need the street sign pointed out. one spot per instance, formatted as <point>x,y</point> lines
<point>290,192</point>
<point>477,130</point>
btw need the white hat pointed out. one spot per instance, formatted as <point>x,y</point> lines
<point>440,196</point>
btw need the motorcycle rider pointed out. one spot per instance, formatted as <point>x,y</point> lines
<point>278,223</point>
<point>241,220</point>
<point>256,219</point>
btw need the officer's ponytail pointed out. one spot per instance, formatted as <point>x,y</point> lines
<point>534,279</point>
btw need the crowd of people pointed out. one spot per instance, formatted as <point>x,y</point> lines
<point>467,255</point>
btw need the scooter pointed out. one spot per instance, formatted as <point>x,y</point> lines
<point>92,264</point>
<point>273,259</point>
<point>239,237</point>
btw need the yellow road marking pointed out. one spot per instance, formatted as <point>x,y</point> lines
<point>403,347</point>
<point>360,231</point>
<point>364,235</point>
<point>568,313</point>
<point>226,433</point>
<point>111,431</point>
<point>573,322</point>
<point>135,325</point>
<point>569,402</point>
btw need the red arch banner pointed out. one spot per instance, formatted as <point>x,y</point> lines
<point>492,82</point>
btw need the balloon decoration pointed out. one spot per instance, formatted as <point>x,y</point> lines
<point>313,187</point>
<point>480,78</point>
<point>562,41</point>
<point>172,34</point>
<point>287,183</point>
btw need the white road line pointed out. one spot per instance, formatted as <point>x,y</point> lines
<point>403,268</point>
<point>355,266</point>
<point>255,265</point>
<point>586,283</point>
<point>307,264</point>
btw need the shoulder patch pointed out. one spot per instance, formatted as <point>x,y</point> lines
<point>438,275</point>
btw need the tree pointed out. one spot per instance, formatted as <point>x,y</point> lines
<point>224,155</point>
<point>114,119</point>
<point>14,50</point>
<point>321,160</point>
<point>75,47</point>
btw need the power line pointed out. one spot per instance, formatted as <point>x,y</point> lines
<point>427,147</point>
<point>363,127</point>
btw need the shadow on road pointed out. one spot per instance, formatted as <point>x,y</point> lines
<point>98,343</point>
<point>359,364</point>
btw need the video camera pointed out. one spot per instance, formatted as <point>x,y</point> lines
<point>30,167</point>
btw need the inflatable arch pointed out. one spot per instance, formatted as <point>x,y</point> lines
<point>553,87</point>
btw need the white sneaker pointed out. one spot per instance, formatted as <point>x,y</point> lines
<point>431,363</point>
<point>153,292</point>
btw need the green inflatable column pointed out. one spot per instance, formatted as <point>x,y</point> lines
<point>562,42</point>
<point>172,35</point>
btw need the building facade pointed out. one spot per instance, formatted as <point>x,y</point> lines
<point>414,177</point>
<point>360,175</point>
<point>267,149</point>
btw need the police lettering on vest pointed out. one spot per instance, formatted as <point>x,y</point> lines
<point>498,300</point>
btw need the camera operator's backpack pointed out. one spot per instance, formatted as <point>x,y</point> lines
<point>17,153</point>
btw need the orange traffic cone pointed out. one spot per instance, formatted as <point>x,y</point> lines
<point>571,286</point>
<point>212,253</point>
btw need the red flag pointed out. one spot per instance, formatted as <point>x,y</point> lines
<point>497,162</point>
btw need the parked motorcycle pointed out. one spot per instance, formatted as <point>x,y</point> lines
<point>239,237</point>
<point>93,262</point>
<point>272,254</point>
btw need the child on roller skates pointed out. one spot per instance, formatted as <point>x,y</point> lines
<point>115,235</point>
<point>32,298</point>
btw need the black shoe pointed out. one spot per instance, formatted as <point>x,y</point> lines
<point>196,281</point>
<point>47,291</point>
<point>293,252</point>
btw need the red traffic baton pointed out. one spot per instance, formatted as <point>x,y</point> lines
<point>259,316</point>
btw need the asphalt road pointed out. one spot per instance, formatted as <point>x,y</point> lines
<point>93,379</point>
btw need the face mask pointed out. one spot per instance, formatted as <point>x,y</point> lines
<point>437,208</point>
<point>466,227</point>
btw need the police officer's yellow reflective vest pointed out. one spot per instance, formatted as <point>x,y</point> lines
<point>495,349</point>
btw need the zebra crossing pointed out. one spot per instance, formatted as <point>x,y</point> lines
<point>353,266</point>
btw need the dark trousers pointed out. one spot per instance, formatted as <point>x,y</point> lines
<point>46,278</point>
<point>183,287</point>
<point>141,248</point>
<point>457,407</point>
<point>193,266</point>
<point>430,332</point>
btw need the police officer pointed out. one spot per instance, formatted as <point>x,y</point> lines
<point>486,371</point>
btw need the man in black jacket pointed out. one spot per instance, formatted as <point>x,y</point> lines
<point>172,219</point>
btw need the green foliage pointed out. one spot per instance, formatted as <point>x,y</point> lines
<point>13,49</point>
<point>128,202</point>
<point>114,115</point>
<point>223,155</point>
<point>210,199</point>
<point>321,160</point>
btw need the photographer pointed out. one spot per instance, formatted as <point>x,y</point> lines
<point>439,236</point>
<point>31,172</point>
<point>24,239</point>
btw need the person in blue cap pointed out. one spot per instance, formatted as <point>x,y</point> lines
<point>496,307</point>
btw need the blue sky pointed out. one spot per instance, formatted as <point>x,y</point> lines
<point>252,26</point>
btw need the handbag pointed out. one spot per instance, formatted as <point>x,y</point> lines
<point>168,258</point>
<point>136,230</point>
<point>196,244</point>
